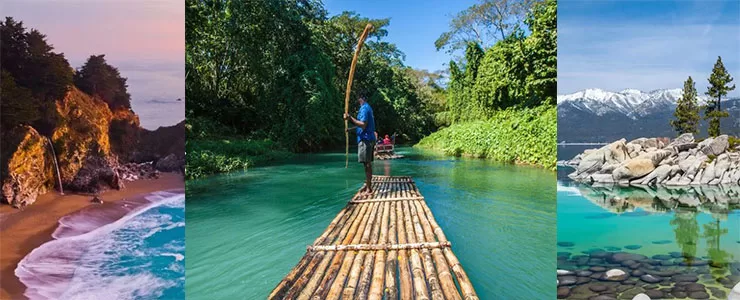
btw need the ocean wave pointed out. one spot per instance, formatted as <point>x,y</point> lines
<point>139,255</point>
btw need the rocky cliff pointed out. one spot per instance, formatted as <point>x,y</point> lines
<point>26,172</point>
<point>96,149</point>
<point>653,161</point>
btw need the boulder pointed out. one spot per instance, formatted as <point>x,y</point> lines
<point>171,163</point>
<point>716,146</point>
<point>633,168</point>
<point>685,138</point>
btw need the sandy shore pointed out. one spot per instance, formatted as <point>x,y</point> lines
<point>23,231</point>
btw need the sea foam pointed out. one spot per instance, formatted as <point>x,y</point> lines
<point>97,254</point>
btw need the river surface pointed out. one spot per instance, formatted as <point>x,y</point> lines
<point>686,238</point>
<point>247,230</point>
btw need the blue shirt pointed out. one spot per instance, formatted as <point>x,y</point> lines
<point>366,116</point>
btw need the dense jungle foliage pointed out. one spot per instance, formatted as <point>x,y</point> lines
<point>276,71</point>
<point>490,96</point>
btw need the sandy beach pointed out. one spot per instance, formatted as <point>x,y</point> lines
<point>23,231</point>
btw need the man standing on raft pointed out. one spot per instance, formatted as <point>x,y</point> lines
<point>365,128</point>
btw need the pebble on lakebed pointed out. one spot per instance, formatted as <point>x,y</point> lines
<point>624,275</point>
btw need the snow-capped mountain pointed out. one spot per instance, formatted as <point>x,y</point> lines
<point>596,115</point>
<point>630,102</point>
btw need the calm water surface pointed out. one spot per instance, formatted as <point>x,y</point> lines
<point>688,238</point>
<point>247,230</point>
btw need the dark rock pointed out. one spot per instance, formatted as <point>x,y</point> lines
<point>679,294</point>
<point>695,287</point>
<point>171,163</point>
<point>563,254</point>
<point>583,273</point>
<point>638,273</point>
<point>96,199</point>
<point>566,244</point>
<point>598,288</point>
<point>654,294</point>
<point>632,247</point>
<point>604,297</point>
<point>612,248</point>
<point>597,269</point>
<point>597,275</point>
<point>676,254</point>
<point>563,292</point>
<point>623,256</point>
<point>582,280</point>
<point>685,278</point>
<point>650,278</point>
<point>698,295</point>
<point>662,242</point>
<point>567,280</point>
<point>600,254</point>
<point>662,257</point>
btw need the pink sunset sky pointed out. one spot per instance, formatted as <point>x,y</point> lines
<point>144,39</point>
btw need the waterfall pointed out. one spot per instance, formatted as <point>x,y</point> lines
<point>56,165</point>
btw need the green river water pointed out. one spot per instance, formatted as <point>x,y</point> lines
<point>245,231</point>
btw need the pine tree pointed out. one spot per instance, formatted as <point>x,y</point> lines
<point>687,110</point>
<point>719,86</point>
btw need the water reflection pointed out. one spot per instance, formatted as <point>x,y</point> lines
<point>668,242</point>
<point>661,199</point>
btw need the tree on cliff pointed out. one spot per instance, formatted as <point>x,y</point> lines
<point>687,110</point>
<point>33,76</point>
<point>719,82</point>
<point>96,77</point>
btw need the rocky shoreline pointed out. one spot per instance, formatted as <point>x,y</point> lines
<point>683,161</point>
<point>90,149</point>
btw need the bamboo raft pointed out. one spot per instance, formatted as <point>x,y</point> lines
<point>381,246</point>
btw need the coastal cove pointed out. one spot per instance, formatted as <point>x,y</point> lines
<point>28,229</point>
<point>248,229</point>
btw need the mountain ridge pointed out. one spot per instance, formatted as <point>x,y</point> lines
<point>597,115</point>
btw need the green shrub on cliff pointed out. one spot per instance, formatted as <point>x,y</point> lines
<point>514,135</point>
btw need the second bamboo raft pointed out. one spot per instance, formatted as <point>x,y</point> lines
<point>381,246</point>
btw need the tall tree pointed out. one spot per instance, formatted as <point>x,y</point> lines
<point>96,77</point>
<point>687,110</point>
<point>719,82</point>
<point>486,21</point>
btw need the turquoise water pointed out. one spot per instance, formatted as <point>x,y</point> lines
<point>663,226</point>
<point>139,256</point>
<point>246,231</point>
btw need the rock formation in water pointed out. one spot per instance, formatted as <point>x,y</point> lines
<point>657,161</point>
<point>661,199</point>
<point>97,149</point>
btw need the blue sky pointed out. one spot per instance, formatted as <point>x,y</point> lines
<point>645,45</point>
<point>414,26</point>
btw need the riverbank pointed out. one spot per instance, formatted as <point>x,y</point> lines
<point>24,230</point>
<point>522,136</point>
<point>212,156</point>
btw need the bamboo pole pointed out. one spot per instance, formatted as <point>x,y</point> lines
<point>417,272</point>
<point>364,34</point>
<point>334,291</point>
<point>281,288</point>
<point>346,236</point>
<point>391,291</point>
<point>357,259</point>
<point>378,279</point>
<point>403,263</point>
<point>431,273</point>
<point>363,286</point>
<point>443,270</point>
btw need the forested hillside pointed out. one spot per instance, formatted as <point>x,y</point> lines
<point>501,100</point>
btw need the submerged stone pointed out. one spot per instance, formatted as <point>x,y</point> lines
<point>662,242</point>
<point>632,247</point>
<point>566,244</point>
